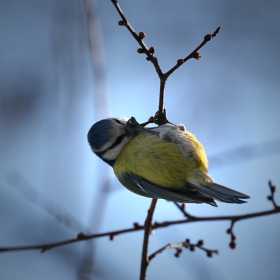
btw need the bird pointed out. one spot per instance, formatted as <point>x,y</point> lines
<point>166,162</point>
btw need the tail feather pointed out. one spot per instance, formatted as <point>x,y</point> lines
<point>222,193</point>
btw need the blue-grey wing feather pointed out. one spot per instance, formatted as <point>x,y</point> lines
<point>221,193</point>
<point>149,189</point>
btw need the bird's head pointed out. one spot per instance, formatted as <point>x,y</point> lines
<point>108,137</point>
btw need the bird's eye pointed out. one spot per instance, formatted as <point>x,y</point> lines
<point>121,122</point>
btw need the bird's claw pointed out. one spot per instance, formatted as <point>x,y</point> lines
<point>132,127</point>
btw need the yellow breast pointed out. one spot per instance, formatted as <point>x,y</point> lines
<point>160,162</point>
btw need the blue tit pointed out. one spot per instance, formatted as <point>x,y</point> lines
<point>165,162</point>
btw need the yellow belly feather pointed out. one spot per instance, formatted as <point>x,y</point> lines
<point>159,161</point>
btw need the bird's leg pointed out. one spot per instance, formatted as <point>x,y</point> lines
<point>132,127</point>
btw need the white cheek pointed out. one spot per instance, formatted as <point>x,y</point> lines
<point>112,154</point>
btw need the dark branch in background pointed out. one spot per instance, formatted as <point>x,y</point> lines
<point>245,153</point>
<point>136,227</point>
<point>160,117</point>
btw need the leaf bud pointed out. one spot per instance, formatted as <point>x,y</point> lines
<point>207,37</point>
<point>180,61</point>
<point>152,49</point>
<point>140,50</point>
<point>232,245</point>
<point>142,35</point>
<point>121,23</point>
<point>196,56</point>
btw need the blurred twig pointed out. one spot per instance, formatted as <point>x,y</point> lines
<point>245,153</point>
<point>64,217</point>
<point>101,109</point>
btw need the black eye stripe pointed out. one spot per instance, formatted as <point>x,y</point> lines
<point>117,121</point>
<point>116,143</point>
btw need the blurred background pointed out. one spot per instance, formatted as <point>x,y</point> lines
<point>66,64</point>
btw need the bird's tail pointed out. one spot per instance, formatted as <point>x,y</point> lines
<point>222,193</point>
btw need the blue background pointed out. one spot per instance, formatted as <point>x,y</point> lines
<point>52,186</point>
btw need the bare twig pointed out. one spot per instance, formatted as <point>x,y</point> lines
<point>160,117</point>
<point>148,228</point>
<point>234,219</point>
<point>80,237</point>
<point>139,38</point>
<point>181,207</point>
<point>194,53</point>
<point>186,244</point>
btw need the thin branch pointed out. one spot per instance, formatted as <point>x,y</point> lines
<point>148,228</point>
<point>194,53</point>
<point>181,207</point>
<point>168,246</point>
<point>161,102</point>
<point>136,227</point>
<point>160,117</point>
<point>80,237</point>
<point>186,244</point>
<point>234,219</point>
<point>139,38</point>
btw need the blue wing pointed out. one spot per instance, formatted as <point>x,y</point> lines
<point>146,188</point>
<point>193,193</point>
<point>221,193</point>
